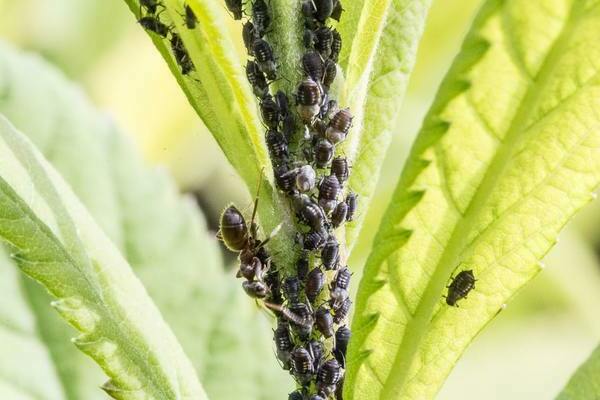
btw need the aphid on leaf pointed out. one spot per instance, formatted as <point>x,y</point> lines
<point>341,310</point>
<point>283,342</point>
<point>338,216</point>
<point>324,9</point>
<point>235,7</point>
<point>263,54</point>
<point>302,266</point>
<point>190,17</point>
<point>291,289</point>
<point>330,254</point>
<point>460,287</point>
<point>316,350</point>
<point>313,65</point>
<point>329,74</point>
<point>270,111</point>
<point>336,45</point>
<point>329,189</point>
<point>249,35</point>
<point>337,10</point>
<point>309,38</point>
<point>342,278</point>
<point>260,16</point>
<point>150,5</point>
<point>297,395</point>
<point>302,365</point>
<point>285,179</point>
<point>181,55</point>
<point>308,98</point>
<point>308,8</point>
<point>324,39</point>
<point>310,212</point>
<point>339,168</point>
<point>339,126</point>
<point>257,79</point>
<point>342,338</point>
<point>314,284</point>
<point>324,322</point>
<point>323,153</point>
<point>314,241</point>
<point>277,145</point>
<point>352,202</point>
<point>153,24</point>
<point>329,373</point>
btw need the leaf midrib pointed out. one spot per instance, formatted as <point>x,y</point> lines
<point>417,325</point>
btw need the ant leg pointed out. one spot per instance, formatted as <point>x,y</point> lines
<point>257,196</point>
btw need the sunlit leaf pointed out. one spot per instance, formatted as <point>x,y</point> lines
<point>585,383</point>
<point>508,153</point>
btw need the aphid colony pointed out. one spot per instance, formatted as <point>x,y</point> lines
<point>151,21</point>
<point>302,129</point>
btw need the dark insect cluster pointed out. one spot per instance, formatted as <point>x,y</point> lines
<point>310,297</point>
<point>460,287</point>
<point>150,20</point>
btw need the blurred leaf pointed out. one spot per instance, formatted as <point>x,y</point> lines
<point>585,383</point>
<point>163,238</point>
<point>96,290</point>
<point>384,47</point>
<point>508,153</point>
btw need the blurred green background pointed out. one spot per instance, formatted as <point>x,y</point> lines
<point>528,352</point>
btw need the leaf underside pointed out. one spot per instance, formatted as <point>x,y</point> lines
<point>509,151</point>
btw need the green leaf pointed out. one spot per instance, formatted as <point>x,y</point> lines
<point>161,235</point>
<point>218,89</point>
<point>508,153</point>
<point>95,289</point>
<point>585,383</point>
<point>221,95</point>
<point>383,46</point>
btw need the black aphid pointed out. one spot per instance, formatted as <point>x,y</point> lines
<point>329,373</point>
<point>308,98</point>
<point>329,189</point>
<point>342,278</point>
<point>291,288</point>
<point>313,65</point>
<point>277,145</point>
<point>342,338</point>
<point>339,126</point>
<point>339,168</point>
<point>297,395</point>
<point>153,24</point>
<point>235,7</point>
<point>302,365</point>
<point>337,10</point>
<point>269,111</point>
<point>309,38</point>
<point>310,212</point>
<point>352,201</point>
<point>315,281</point>
<point>323,41</point>
<point>257,79</point>
<point>261,17</point>
<point>283,342</point>
<point>273,282</point>
<point>460,287</point>
<point>181,55</point>
<point>313,241</point>
<point>316,350</point>
<point>330,254</point>
<point>190,17</point>
<point>249,35</point>
<point>324,321</point>
<point>341,310</point>
<point>324,9</point>
<point>263,54</point>
<point>336,45</point>
<point>285,179</point>
<point>302,266</point>
<point>329,74</point>
<point>150,5</point>
<point>307,8</point>
<point>323,153</point>
<point>338,216</point>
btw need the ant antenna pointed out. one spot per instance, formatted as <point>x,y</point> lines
<point>262,171</point>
